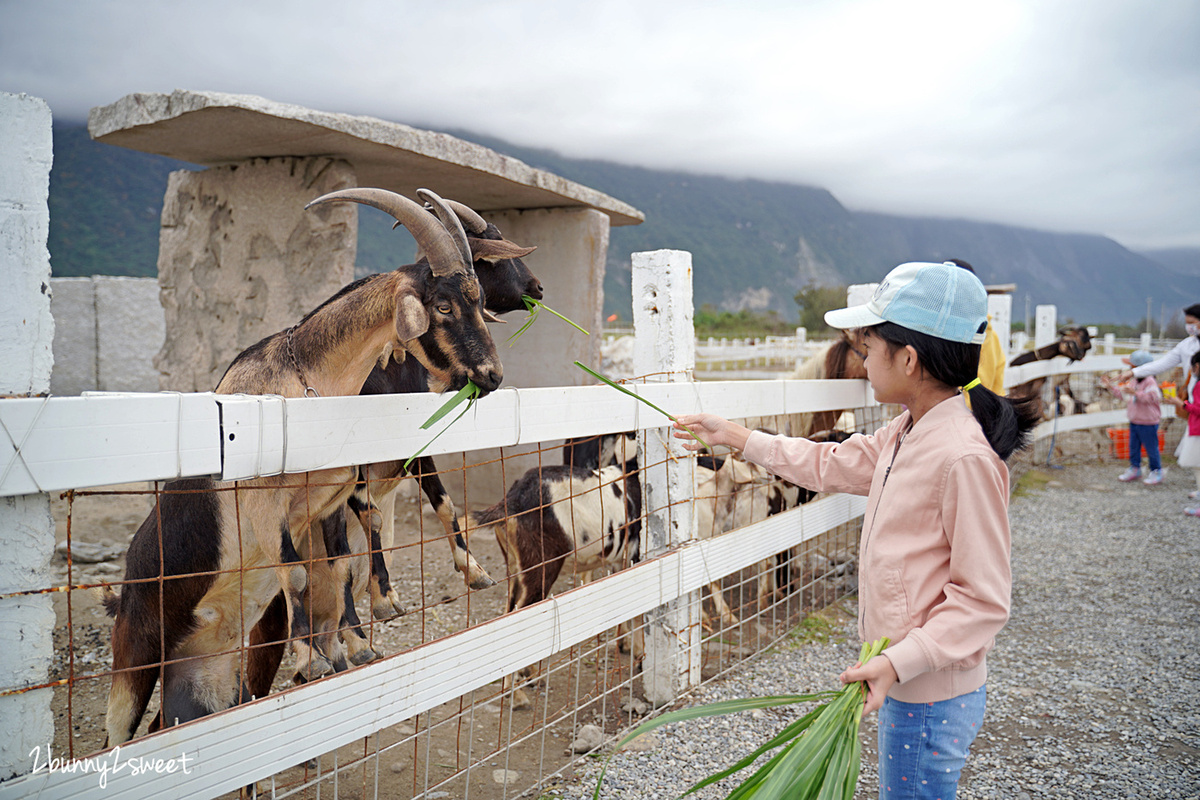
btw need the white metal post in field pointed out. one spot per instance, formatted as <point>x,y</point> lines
<point>1045,326</point>
<point>665,350</point>
<point>26,347</point>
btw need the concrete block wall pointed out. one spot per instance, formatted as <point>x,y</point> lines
<point>26,359</point>
<point>108,331</point>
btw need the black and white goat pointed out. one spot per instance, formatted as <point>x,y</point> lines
<point>213,557</point>
<point>589,516</point>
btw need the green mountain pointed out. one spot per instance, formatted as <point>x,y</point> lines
<point>754,243</point>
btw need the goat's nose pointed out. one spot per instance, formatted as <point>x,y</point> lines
<point>535,290</point>
<point>489,380</point>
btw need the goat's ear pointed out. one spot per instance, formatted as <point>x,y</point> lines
<point>497,249</point>
<point>412,319</point>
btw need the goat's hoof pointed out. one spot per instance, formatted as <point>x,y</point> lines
<point>364,656</point>
<point>481,581</point>
<point>318,666</point>
<point>383,611</point>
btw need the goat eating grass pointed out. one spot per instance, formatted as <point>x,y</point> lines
<point>214,558</point>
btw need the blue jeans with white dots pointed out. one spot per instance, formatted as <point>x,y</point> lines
<point>923,746</point>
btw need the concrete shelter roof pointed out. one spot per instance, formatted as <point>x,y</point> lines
<point>212,128</point>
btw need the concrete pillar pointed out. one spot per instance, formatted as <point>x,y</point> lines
<point>1110,342</point>
<point>666,347</point>
<point>1045,328</point>
<point>1000,317</point>
<point>239,259</point>
<point>572,246</point>
<point>26,360</point>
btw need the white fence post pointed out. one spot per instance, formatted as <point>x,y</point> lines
<point>665,349</point>
<point>26,359</point>
<point>1045,328</point>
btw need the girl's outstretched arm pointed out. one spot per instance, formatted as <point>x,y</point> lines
<point>712,429</point>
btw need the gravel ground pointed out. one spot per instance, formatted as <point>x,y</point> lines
<point>1094,684</point>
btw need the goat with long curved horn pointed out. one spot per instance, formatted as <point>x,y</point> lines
<point>450,221</point>
<point>443,244</point>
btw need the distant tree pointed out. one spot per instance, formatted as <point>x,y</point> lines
<point>814,301</point>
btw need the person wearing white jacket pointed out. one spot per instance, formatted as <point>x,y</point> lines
<point>1178,356</point>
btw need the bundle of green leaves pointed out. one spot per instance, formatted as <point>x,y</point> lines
<point>818,757</point>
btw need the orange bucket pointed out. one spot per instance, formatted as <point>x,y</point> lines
<point>1119,442</point>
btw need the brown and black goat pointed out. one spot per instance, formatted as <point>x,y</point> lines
<point>506,281</point>
<point>212,556</point>
<point>1073,344</point>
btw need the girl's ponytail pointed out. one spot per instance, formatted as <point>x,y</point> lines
<point>1006,421</point>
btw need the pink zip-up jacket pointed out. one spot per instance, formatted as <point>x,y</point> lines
<point>1193,408</point>
<point>1144,401</point>
<point>934,573</point>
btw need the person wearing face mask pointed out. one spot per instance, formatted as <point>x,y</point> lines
<point>1179,356</point>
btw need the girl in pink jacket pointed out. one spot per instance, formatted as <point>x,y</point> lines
<point>934,550</point>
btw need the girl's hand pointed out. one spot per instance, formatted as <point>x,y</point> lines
<point>712,429</point>
<point>879,674</point>
<point>1176,400</point>
<point>1127,375</point>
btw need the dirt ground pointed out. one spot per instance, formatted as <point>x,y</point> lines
<point>440,753</point>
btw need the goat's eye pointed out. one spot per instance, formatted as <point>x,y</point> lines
<point>443,308</point>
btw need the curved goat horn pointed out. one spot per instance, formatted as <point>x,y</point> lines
<point>475,223</point>
<point>451,222</point>
<point>445,254</point>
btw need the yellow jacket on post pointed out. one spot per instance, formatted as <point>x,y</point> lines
<point>991,362</point>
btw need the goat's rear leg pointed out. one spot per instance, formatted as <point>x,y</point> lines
<point>530,586</point>
<point>131,689</point>
<point>385,602</point>
<point>475,575</point>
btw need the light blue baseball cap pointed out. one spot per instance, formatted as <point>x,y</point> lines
<point>942,300</point>
<point>1140,357</point>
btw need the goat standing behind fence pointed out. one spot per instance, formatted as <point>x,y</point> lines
<point>232,544</point>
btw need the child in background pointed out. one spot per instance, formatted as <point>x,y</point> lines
<point>1189,449</point>
<point>934,550</point>
<point>1144,401</point>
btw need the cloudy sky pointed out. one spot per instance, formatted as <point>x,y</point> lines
<point>1067,115</point>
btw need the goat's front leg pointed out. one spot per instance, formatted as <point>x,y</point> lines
<point>727,617</point>
<point>475,575</point>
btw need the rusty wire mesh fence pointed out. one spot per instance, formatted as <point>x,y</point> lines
<point>500,740</point>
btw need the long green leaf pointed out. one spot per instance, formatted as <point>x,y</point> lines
<point>790,732</point>
<point>709,710</point>
<point>819,755</point>
<point>750,787</point>
<point>471,391</point>
<point>572,323</point>
<point>533,307</point>
<point>621,388</point>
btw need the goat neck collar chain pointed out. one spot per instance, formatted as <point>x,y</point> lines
<point>308,390</point>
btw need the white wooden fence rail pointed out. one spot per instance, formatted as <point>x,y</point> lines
<point>61,443</point>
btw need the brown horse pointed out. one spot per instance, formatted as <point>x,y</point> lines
<point>841,358</point>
